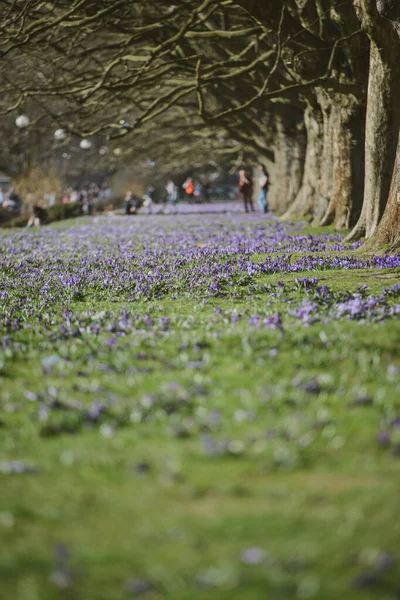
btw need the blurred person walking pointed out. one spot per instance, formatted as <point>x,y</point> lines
<point>189,188</point>
<point>93,197</point>
<point>206,190</point>
<point>246,190</point>
<point>130,205</point>
<point>198,191</point>
<point>263,181</point>
<point>82,201</point>
<point>172,195</point>
<point>74,196</point>
<point>65,196</point>
<point>148,199</point>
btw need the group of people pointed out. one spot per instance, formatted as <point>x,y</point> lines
<point>86,196</point>
<point>246,189</point>
<point>193,191</point>
<point>196,191</point>
<point>89,194</point>
<point>132,202</point>
<point>83,197</point>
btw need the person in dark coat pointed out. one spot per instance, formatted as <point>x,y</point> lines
<point>246,190</point>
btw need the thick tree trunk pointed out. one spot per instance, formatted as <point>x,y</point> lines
<point>382,128</point>
<point>388,231</point>
<point>333,181</point>
<point>297,158</point>
<point>390,9</point>
<point>307,197</point>
<point>286,174</point>
<point>346,174</point>
<point>338,196</point>
<point>325,183</point>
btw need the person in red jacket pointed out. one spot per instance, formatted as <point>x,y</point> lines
<point>189,188</point>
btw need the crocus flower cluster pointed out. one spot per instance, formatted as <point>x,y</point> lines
<point>117,260</point>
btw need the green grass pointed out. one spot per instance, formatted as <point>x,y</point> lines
<point>320,497</point>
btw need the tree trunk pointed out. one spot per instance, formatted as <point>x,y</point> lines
<point>333,181</point>
<point>326,188</point>
<point>297,158</point>
<point>390,9</point>
<point>382,127</point>
<point>307,197</point>
<point>286,174</point>
<point>346,176</point>
<point>388,231</point>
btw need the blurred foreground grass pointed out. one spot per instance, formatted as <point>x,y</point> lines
<point>224,461</point>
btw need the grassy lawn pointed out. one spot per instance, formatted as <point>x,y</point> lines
<point>186,414</point>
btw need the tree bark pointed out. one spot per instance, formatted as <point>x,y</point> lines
<point>382,127</point>
<point>307,197</point>
<point>346,175</point>
<point>390,9</point>
<point>388,230</point>
<point>333,180</point>
<point>287,171</point>
<point>325,183</point>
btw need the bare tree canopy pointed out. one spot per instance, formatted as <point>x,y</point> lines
<point>308,86</point>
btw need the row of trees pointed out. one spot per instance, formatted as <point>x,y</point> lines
<point>311,87</point>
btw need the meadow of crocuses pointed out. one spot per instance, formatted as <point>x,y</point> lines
<point>200,406</point>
